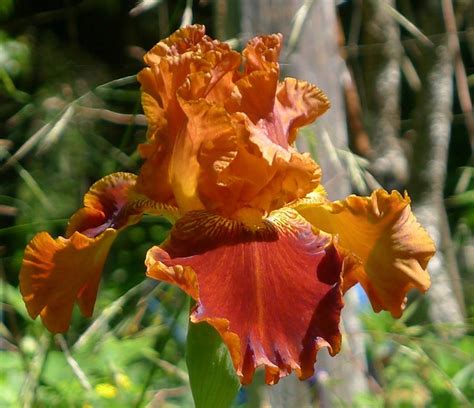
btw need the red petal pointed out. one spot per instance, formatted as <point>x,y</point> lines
<point>106,206</point>
<point>273,293</point>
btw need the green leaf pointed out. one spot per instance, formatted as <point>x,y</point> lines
<point>12,296</point>
<point>212,377</point>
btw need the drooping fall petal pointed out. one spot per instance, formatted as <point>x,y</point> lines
<point>382,233</point>
<point>106,205</point>
<point>58,272</point>
<point>272,293</point>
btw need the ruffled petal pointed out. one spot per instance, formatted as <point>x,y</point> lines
<point>220,137</point>
<point>190,58</point>
<point>298,103</point>
<point>277,108</point>
<point>207,144</point>
<point>382,233</point>
<point>186,65</point>
<point>152,106</point>
<point>256,95</point>
<point>261,53</point>
<point>301,172</point>
<point>56,273</point>
<point>107,204</point>
<point>273,293</point>
<point>177,43</point>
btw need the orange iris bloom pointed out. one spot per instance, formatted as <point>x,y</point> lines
<point>256,242</point>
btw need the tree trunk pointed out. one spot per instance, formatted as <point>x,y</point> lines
<point>430,153</point>
<point>382,83</point>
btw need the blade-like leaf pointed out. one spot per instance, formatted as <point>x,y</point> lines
<point>211,374</point>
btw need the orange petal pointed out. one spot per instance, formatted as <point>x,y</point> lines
<point>208,144</point>
<point>179,42</point>
<point>262,53</point>
<point>260,176</point>
<point>383,234</point>
<point>293,174</point>
<point>256,95</point>
<point>272,293</point>
<point>191,66</point>
<point>298,104</point>
<point>157,123</point>
<point>154,180</point>
<point>279,109</point>
<point>221,138</point>
<point>161,82</point>
<point>172,64</point>
<point>58,272</point>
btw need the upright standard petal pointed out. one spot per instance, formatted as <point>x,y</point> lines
<point>382,233</point>
<point>58,272</point>
<point>210,122</point>
<point>272,293</point>
<point>186,58</point>
<point>208,142</point>
<point>274,111</point>
<point>278,109</point>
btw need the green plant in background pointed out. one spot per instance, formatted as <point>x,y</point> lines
<point>415,367</point>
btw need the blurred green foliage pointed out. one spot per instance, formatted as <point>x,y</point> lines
<point>55,141</point>
<point>415,367</point>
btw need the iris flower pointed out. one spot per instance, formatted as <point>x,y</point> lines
<point>256,242</point>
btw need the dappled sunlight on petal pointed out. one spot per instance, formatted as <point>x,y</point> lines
<point>272,293</point>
